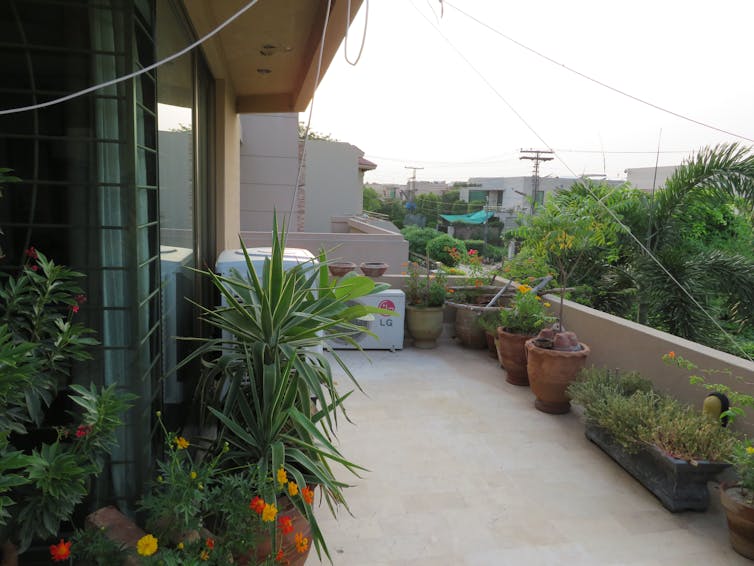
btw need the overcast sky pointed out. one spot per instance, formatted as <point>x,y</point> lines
<point>412,100</point>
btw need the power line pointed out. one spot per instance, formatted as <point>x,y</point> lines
<point>598,82</point>
<point>141,71</point>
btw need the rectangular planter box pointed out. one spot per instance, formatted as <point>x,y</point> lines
<point>679,485</point>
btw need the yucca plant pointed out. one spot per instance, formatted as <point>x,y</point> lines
<point>265,384</point>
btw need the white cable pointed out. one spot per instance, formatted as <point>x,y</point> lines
<point>135,73</point>
<point>363,36</point>
<point>302,158</point>
<point>609,211</point>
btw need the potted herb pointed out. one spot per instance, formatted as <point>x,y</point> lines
<point>518,323</point>
<point>671,448</point>
<point>425,301</point>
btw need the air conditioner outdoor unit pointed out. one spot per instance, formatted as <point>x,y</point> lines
<point>388,330</point>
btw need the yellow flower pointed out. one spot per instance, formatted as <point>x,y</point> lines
<point>282,476</point>
<point>180,546</point>
<point>204,555</point>
<point>146,545</point>
<point>750,449</point>
<point>547,305</point>
<point>269,513</point>
<point>292,488</point>
<point>538,298</point>
<point>159,479</point>
<point>193,475</point>
<point>200,487</point>
<point>181,443</point>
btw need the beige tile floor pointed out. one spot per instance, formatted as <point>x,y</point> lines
<point>464,471</point>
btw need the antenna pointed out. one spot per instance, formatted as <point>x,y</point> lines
<point>536,158</point>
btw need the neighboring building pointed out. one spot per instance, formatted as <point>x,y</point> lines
<point>647,178</point>
<point>392,190</point>
<point>135,182</point>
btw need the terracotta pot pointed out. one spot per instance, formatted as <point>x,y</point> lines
<point>373,268</point>
<point>513,356</point>
<point>740,516</point>
<point>550,373</point>
<point>286,543</point>
<point>424,325</point>
<point>340,268</point>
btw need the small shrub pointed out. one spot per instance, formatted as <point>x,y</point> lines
<point>418,238</point>
<point>440,248</point>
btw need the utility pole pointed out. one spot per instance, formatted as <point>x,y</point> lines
<point>411,189</point>
<point>536,158</point>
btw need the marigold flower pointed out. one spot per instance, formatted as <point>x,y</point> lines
<point>146,545</point>
<point>204,555</point>
<point>210,542</point>
<point>282,476</point>
<point>269,513</point>
<point>285,524</point>
<point>302,542</point>
<point>181,443</point>
<point>308,494</point>
<point>671,355</point>
<point>750,449</point>
<point>292,488</point>
<point>62,550</point>
<point>257,505</point>
<point>83,430</point>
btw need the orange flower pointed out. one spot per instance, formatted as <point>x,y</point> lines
<point>279,557</point>
<point>286,524</point>
<point>204,555</point>
<point>181,443</point>
<point>292,488</point>
<point>308,494</point>
<point>671,355</point>
<point>282,476</point>
<point>302,543</point>
<point>257,505</point>
<point>60,551</point>
<point>210,543</point>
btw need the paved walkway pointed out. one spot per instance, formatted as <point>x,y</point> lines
<point>464,471</point>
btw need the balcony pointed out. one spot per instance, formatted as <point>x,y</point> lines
<point>464,470</point>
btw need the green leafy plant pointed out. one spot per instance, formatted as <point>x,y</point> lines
<point>526,313</point>
<point>439,249</point>
<point>266,386</point>
<point>742,459</point>
<point>46,472</point>
<point>425,288</point>
<point>625,405</point>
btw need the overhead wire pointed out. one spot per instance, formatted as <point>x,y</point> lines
<point>618,221</point>
<point>135,74</point>
<point>363,36</point>
<point>597,81</point>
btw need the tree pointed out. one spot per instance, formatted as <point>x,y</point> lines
<point>371,200</point>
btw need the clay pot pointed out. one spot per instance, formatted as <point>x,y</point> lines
<point>373,268</point>
<point>513,356</point>
<point>425,325</point>
<point>550,373</point>
<point>740,516</point>
<point>340,268</point>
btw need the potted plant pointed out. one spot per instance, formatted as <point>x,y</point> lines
<point>425,301</point>
<point>47,461</point>
<point>671,448</point>
<point>518,323</point>
<point>554,360</point>
<point>267,387</point>
<point>738,500</point>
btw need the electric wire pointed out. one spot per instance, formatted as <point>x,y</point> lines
<point>302,157</point>
<point>597,81</point>
<point>141,71</point>
<point>363,36</point>
<point>618,221</point>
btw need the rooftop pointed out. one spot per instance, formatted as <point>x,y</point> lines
<point>464,471</point>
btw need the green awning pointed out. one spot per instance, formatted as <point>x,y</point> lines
<point>479,217</point>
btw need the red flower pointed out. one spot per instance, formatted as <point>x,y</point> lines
<point>32,253</point>
<point>308,494</point>
<point>473,252</point>
<point>83,430</point>
<point>286,524</point>
<point>210,543</point>
<point>80,299</point>
<point>61,551</point>
<point>75,309</point>
<point>279,557</point>
<point>34,267</point>
<point>257,505</point>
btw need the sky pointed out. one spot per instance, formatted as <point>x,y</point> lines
<point>446,93</point>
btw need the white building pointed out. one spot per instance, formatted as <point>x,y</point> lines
<point>646,178</point>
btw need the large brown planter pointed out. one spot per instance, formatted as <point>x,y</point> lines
<point>513,356</point>
<point>467,327</point>
<point>740,516</point>
<point>425,325</point>
<point>550,373</point>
